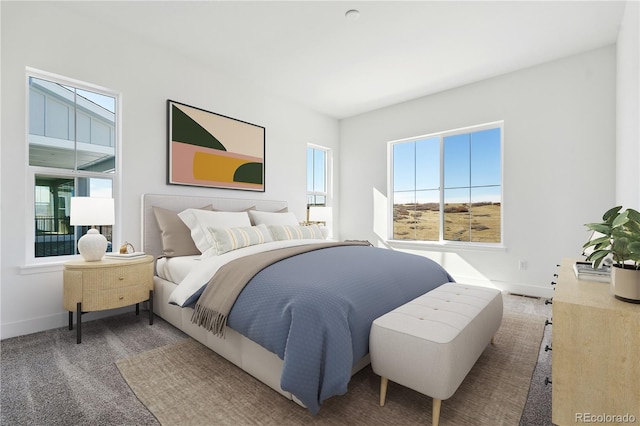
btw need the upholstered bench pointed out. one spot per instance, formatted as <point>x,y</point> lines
<point>430,344</point>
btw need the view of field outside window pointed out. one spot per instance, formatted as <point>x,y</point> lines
<point>448,186</point>
<point>72,139</point>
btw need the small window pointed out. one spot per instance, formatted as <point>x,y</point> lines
<point>448,186</point>
<point>72,139</point>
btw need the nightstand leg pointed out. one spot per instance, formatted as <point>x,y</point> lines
<point>137,309</point>
<point>150,307</point>
<point>70,320</point>
<point>79,323</point>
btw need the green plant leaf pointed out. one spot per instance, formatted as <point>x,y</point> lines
<point>597,256</point>
<point>611,213</point>
<point>621,219</point>
<point>634,215</point>
<point>632,227</point>
<point>634,247</point>
<point>597,241</point>
<point>602,228</point>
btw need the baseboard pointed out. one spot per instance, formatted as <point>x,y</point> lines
<point>523,289</point>
<point>527,290</point>
<point>35,325</point>
<point>32,325</point>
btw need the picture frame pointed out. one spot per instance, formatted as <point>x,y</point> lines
<point>213,150</point>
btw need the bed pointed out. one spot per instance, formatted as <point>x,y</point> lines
<point>316,339</point>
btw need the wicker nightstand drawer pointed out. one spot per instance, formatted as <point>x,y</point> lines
<point>116,277</point>
<point>98,300</point>
<point>107,284</point>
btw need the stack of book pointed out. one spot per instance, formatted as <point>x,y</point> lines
<point>585,271</point>
<point>125,255</point>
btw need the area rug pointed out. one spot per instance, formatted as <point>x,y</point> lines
<point>187,384</point>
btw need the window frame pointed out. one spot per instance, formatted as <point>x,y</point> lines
<point>32,171</point>
<point>441,241</point>
<point>327,174</point>
<point>327,178</point>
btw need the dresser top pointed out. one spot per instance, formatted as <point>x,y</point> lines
<point>588,293</point>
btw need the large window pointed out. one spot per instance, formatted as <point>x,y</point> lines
<point>448,186</point>
<point>72,139</point>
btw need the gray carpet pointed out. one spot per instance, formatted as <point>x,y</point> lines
<point>46,379</point>
<point>537,411</point>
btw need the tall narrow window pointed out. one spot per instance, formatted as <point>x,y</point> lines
<point>72,152</point>
<point>448,186</point>
<point>318,178</point>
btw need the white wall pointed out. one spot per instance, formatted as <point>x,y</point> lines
<point>559,132</point>
<point>45,36</point>
<point>628,109</point>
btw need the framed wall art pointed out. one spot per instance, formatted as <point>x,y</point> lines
<point>212,150</point>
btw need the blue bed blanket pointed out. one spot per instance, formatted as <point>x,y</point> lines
<point>314,310</point>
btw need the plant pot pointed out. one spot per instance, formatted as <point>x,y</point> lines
<point>626,284</point>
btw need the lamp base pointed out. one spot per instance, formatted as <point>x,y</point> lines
<point>92,245</point>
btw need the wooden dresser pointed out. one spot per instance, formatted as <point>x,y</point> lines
<point>596,353</point>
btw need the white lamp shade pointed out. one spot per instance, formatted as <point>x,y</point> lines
<point>92,211</point>
<point>319,214</point>
<point>89,211</point>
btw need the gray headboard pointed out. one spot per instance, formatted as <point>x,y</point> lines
<point>151,240</point>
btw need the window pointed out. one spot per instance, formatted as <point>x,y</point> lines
<point>317,177</point>
<point>72,140</point>
<point>448,186</point>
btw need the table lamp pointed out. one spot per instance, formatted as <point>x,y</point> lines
<point>319,214</point>
<point>92,211</point>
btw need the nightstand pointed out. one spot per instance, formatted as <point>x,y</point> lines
<point>107,284</point>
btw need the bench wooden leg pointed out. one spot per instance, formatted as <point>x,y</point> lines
<point>383,389</point>
<point>436,411</point>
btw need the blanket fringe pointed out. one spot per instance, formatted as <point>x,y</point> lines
<point>210,319</point>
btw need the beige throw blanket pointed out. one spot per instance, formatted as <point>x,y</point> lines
<point>217,299</point>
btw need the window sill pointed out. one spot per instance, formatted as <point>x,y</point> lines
<point>41,268</point>
<point>46,266</point>
<point>445,246</point>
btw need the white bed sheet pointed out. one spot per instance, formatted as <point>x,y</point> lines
<point>203,271</point>
<point>175,269</point>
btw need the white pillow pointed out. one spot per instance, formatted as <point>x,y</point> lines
<point>273,218</point>
<point>227,239</point>
<point>198,221</point>
<point>289,232</point>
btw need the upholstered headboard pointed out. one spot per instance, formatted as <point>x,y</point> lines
<point>151,239</point>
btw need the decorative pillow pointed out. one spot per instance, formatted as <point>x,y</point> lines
<point>198,221</point>
<point>227,239</point>
<point>273,218</point>
<point>176,236</point>
<point>289,232</point>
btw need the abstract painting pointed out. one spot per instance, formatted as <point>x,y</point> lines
<point>212,150</point>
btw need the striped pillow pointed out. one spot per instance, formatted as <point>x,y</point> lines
<point>290,232</point>
<point>227,239</point>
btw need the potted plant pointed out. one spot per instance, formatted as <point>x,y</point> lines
<point>620,239</point>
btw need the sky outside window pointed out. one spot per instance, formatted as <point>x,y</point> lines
<point>464,170</point>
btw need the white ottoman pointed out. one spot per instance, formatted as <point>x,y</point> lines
<point>430,344</point>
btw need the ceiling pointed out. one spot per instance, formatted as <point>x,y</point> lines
<point>310,53</point>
